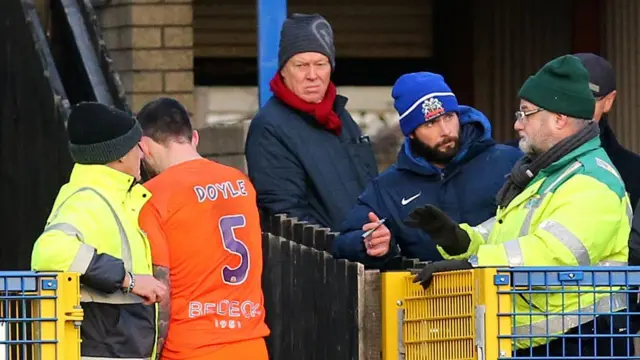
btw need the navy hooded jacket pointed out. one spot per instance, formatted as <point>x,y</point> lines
<point>465,190</point>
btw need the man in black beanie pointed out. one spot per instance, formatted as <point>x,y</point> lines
<point>93,230</point>
<point>306,156</point>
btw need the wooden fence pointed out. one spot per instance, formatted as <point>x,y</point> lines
<point>318,307</point>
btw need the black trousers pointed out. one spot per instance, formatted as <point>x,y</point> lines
<point>588,347</point>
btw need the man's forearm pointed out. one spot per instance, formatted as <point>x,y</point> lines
<point>105,273</point>
<point>164,310</point>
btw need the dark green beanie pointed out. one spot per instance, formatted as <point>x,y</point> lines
<point>561,86</point>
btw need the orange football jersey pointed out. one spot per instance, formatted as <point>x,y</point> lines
<point>203,224</point>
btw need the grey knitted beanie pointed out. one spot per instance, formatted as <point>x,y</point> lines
<point>306,33</point>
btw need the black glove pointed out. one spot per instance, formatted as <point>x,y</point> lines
<point>441,228</point>
<point>426,274</point>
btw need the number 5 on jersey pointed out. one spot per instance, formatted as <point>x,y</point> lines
<point>227,225</point>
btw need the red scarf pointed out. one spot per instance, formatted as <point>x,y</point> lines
<point>322,111</point>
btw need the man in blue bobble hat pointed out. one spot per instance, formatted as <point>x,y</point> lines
<point>448,160</point>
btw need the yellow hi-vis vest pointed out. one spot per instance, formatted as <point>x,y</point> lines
<point>96,214</point>
<point>573,213</point>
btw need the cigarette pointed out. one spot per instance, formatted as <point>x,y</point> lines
<point>369,232</point>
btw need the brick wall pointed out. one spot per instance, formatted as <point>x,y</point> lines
<point>151,44</point>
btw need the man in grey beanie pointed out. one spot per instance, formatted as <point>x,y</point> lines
<point>306,156</point>
<point>93,230</point>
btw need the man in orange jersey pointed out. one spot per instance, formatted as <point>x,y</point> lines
<point>203,225</point>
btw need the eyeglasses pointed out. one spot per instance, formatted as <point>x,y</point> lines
<point>521,115</point>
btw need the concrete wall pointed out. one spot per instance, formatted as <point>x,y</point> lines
<point>224,143</point>
<point>221,108</point>
<point>370,106</point>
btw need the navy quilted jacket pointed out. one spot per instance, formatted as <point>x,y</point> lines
<point>300,169</point>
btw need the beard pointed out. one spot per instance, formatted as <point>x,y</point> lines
<point>526,145</point>
<point>432,154</point>
<point>146,172</point>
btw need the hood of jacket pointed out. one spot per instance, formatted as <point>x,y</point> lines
<point>474,137</point>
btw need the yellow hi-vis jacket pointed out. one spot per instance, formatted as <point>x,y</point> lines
<point>573,213</point>
<point>93,230</point>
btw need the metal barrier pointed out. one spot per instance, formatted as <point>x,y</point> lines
<point>523,313</point>
<point>40,316</point>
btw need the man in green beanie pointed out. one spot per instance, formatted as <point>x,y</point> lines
<point>564,204</point>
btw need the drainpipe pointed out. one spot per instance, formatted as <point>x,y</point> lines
<point>271,15</point>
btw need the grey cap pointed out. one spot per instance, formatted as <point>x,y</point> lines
<point>306,33</point>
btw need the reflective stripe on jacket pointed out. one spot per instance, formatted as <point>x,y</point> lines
<point>573,213</point>
<point>93,230</point>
